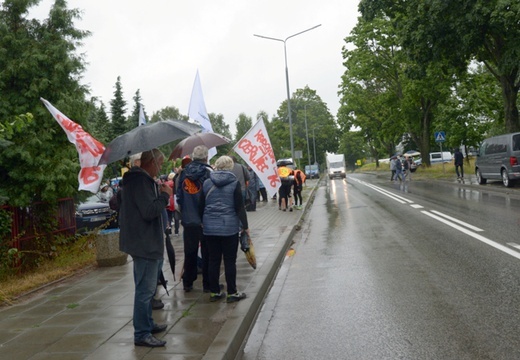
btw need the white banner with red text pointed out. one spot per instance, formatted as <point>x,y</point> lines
<point>89,150</point>
<point>256,150</point>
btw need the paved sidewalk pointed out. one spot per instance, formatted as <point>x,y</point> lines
<point>90,317</point>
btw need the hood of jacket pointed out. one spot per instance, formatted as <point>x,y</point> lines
<point>222,178</point>
<point>196,170</point>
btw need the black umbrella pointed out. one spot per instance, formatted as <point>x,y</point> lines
<point>147,137</point>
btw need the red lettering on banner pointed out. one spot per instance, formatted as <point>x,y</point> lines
<point>260,154</point>
<point>274,180</point>
<point>84,141</point>
<point>265,145</point>
<point>87,143</point>
<point>89,175</point>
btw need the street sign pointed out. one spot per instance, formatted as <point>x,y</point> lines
<point>440,136</point>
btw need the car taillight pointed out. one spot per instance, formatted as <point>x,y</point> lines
<point>513,161</point>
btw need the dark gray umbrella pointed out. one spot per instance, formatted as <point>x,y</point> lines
<point>147,137</point>
<point>186,146</point>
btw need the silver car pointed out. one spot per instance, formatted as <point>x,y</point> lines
<point>499,158</point>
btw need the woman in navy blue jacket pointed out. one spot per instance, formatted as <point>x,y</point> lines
<point>223,215</point>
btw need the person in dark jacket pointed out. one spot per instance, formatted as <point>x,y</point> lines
<point>458,161</point>
<point>223,213</point>
<point>189,194</point>
<point>141,236</point>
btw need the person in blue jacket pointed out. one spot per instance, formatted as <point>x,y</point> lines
<point>223,213</point>
<point>189,194</point>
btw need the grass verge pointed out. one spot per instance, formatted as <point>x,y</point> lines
<point>70,259</point>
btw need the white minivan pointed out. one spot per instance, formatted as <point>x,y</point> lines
<point>437,157</point>
<point>499,158</point>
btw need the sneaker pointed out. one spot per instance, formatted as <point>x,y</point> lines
<point>150,341</point>
<point>290,209</point>
<point>157,304</point>
<point>235,297</point>
<point>216,296</point>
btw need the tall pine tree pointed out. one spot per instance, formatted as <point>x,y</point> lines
<point>118,110</point>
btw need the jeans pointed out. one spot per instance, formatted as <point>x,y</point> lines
<point>145,280</point>
<point>222,247</point>
<point>398,174</point>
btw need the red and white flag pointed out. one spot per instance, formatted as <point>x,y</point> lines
<point>89,150</point>
<point>256,150</point>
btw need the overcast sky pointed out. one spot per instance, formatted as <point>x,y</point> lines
<point>157,46</point>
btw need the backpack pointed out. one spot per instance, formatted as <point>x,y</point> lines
<point>285,175</point>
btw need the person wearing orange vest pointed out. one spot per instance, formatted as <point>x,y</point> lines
<point>299,179</point>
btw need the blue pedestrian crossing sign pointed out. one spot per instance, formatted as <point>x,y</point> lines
<point>440,136</point>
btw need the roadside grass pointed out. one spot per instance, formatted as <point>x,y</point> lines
<point>69,260</point>
<point>435,171</point>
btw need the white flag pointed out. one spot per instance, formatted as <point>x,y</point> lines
<point>142,119</point>
<point>89,150</point>
<point>255,148</point>
<point>197,111</point>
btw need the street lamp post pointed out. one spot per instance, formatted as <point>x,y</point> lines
<point>314,143</point>
<point>287,78</point>
<point>307,135</point>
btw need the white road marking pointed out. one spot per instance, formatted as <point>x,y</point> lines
<point>448,220</point>
<point>516,246</point>
<point>469,226</point>
<point>474,235</point>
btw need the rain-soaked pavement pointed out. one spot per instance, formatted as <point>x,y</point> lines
<point>383,270</point>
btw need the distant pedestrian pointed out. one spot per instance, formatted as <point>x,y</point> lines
<point>398,170</point>
<point>261,190</point>
<point>253,187</point>
<point>393,159</point>
<point>406,167</point>
<point>409,159</point>
<point>458,161</point>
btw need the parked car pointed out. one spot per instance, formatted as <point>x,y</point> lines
<point>312,171</point>
<point>92,213</point>
<point>499,159</point>
<point>287,162</point>
<point>439,157</point>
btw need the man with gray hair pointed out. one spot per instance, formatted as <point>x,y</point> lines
<point>141,235</point>
<point>189,193</point>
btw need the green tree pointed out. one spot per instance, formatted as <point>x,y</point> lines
<point>384,93</point>
<point>168,113</point>
<point>242,124</point>
<point>354,146</point>
<point>102,126</point>
<point>39,58</point>
<point>473,110</point>
<point>133,119</point>
<point>305,105</point>
<point>457,32</point>
<point>117,111</point>
<point>220,127</point>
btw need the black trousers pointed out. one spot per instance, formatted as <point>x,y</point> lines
<point>223,247</point>
<point>192,236</point>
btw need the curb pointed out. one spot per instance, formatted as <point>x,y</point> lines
<point>232,335</point>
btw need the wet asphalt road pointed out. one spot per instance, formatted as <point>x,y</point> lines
<point>386,271</point>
